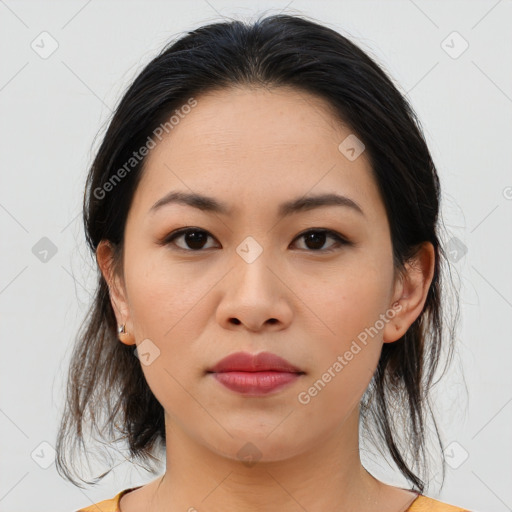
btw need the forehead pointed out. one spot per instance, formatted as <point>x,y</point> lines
<point>257,117</point>
<point>244,144</point>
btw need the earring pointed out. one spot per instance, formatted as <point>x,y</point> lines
<point>124,337</point>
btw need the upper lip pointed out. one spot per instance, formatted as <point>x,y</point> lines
<point>246,362</point>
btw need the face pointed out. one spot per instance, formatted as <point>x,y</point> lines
<point>314,285</point>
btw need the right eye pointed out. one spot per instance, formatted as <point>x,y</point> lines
<point>194,238</point>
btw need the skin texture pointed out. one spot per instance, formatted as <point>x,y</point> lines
<point>254,149</point>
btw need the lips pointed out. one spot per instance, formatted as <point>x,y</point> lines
<point>255,375</point>
<point>245,362</point>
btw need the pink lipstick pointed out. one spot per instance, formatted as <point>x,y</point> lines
<point>255,375</point>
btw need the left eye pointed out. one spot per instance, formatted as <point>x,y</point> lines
<point>195,239</point>
<point>316,239</point>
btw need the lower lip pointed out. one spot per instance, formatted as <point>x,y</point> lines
<point>256,383</point>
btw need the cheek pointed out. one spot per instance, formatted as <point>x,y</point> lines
<point>350,300</point>
<point>161,295</point>
<point>166,308</point>
<point>350,309</point>
<point>347,353</point>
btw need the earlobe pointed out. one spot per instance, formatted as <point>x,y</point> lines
<point>411,292</point>
<point>104,259</point>
<point>393,330</point>
<point>125,337</point>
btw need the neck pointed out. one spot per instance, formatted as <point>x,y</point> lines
<point>328,475</point>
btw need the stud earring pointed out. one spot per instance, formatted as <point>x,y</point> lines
<point>125,337</point>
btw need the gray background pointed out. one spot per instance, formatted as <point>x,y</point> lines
<point>52,108</point>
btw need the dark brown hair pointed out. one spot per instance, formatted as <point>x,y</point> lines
<point>107,392</point>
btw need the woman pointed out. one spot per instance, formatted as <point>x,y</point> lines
<point>264,214</point>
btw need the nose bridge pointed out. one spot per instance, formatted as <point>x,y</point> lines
<point>251,266</point>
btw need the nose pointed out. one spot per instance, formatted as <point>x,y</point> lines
<point>254,297</point>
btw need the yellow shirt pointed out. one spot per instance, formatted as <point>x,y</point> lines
<point>420,504</point>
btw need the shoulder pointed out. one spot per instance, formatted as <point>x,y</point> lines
<point>111,505</point>
<point>426,504</point>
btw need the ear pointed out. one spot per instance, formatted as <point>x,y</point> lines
<point>117,290</point>
<point>411,292</point>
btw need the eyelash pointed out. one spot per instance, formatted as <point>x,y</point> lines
<point>341,241</point>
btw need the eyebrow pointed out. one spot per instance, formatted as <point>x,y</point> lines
<point>210,204</point>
